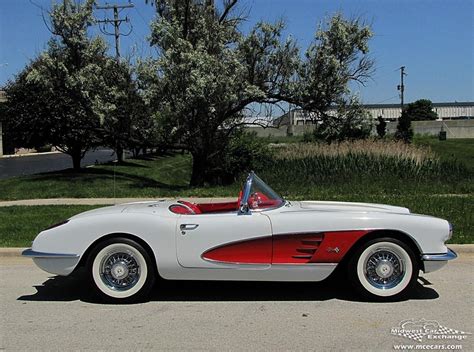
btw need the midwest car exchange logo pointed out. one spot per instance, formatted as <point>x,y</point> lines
<point>427,330</point>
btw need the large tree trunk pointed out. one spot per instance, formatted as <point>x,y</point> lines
<point>76,155</point>
<point>120,154</point>
<point>198,175</point>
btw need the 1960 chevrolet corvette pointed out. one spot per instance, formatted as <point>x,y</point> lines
<point>260,237</point>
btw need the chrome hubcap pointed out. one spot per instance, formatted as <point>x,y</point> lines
<point>120,271</point>
<point>384,269</point>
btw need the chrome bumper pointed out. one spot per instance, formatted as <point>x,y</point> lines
<point>440,257</point>
<point>433,262</point>
<point>34,254</point>
<point>54,263</point>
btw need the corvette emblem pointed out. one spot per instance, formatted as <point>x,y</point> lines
<point>331,249</point>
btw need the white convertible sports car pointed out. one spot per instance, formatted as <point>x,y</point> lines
<point>260,237</point>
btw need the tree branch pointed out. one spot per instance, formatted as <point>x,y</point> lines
<point>228,6</point>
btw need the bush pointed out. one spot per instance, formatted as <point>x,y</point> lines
<point>381,127</point>
<point>245,152</point>
<point>404,131</point>
<point>44,148</point>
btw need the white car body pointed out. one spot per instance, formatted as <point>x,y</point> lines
<point>258,237</point>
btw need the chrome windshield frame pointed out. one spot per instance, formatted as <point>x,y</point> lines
<point>244,208</point>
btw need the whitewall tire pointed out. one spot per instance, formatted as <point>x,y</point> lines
<point>384,269</point>
<point>120,270</point>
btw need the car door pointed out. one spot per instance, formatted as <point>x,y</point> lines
<point>225,240</point>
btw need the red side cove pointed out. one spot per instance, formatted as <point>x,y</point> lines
<point>304,248</point>
<point>257,251</point>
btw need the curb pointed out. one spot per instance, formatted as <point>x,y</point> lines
<point>7,156</point>
<point>458,248</point>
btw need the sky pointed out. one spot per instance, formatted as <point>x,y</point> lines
<point>433,39</point>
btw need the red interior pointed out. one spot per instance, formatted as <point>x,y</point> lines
<point>185,207</point>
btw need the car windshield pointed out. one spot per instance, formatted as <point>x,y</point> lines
<point>261,196</point>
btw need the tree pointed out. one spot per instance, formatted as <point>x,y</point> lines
<point>404,131</point>
<point>337,57</point>
<point>351,121</point>
<point>381,127</point>
<point>207,75</point>
<point>58,98</point>
<point>421,110</point>
<point>127,123</point>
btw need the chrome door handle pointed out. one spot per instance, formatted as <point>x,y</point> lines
<point>184,227</point>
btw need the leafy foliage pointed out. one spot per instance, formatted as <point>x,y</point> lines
<point>337,57</point>
<point>57,99</point>
<point>351,121</point>
<point>127,121</point>
<point>421,110</point>
<point>208,73</point>
<point>404,131</point>
<point>381,127</point>
<point>245,152</point>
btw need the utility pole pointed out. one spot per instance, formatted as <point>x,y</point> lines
<point>401,86</point>
<point>116,23</point>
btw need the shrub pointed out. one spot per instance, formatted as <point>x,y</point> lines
<point>381,127</point>
<point>404,131</point>
<point>244,152</point>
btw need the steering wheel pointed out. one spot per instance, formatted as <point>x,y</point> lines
<point>254,200</point>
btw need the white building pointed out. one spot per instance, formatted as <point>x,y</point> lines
<point>390,112</point>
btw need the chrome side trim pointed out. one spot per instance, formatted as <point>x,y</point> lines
<point>440,257</point>
<point>34,254</point>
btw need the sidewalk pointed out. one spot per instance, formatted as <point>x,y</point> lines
<point>6,156</point>
<point>101,201</point>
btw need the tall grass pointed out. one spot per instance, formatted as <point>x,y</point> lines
<point>368,161</point>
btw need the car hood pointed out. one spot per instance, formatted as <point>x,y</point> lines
<point>351,207</point>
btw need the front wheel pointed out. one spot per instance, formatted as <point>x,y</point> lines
<point>120,270</point>
<point>383,269</point>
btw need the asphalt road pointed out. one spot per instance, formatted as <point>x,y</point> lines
<point>34,164</point>
<point>40,312</point>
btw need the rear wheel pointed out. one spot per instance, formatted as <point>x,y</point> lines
<point>120,270</point>
<point>383,269</point>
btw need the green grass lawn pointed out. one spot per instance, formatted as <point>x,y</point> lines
<point>158,176</point>
<point>19,225</point>
<point>458,149</point>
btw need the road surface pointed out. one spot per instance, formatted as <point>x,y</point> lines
<point>44,312</point>
<point>34,164</point>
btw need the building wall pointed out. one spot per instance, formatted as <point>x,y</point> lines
<point>454,129</point>
<point>389,112</point>
<point>1,139</point>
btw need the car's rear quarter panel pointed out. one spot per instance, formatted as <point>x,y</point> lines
<point>79,234</point>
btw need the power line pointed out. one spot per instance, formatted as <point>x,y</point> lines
<point>383,101</point>
<point>116,21</point>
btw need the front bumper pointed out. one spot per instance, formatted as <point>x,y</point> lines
<point>54,263</point>
<point>433,262</point>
